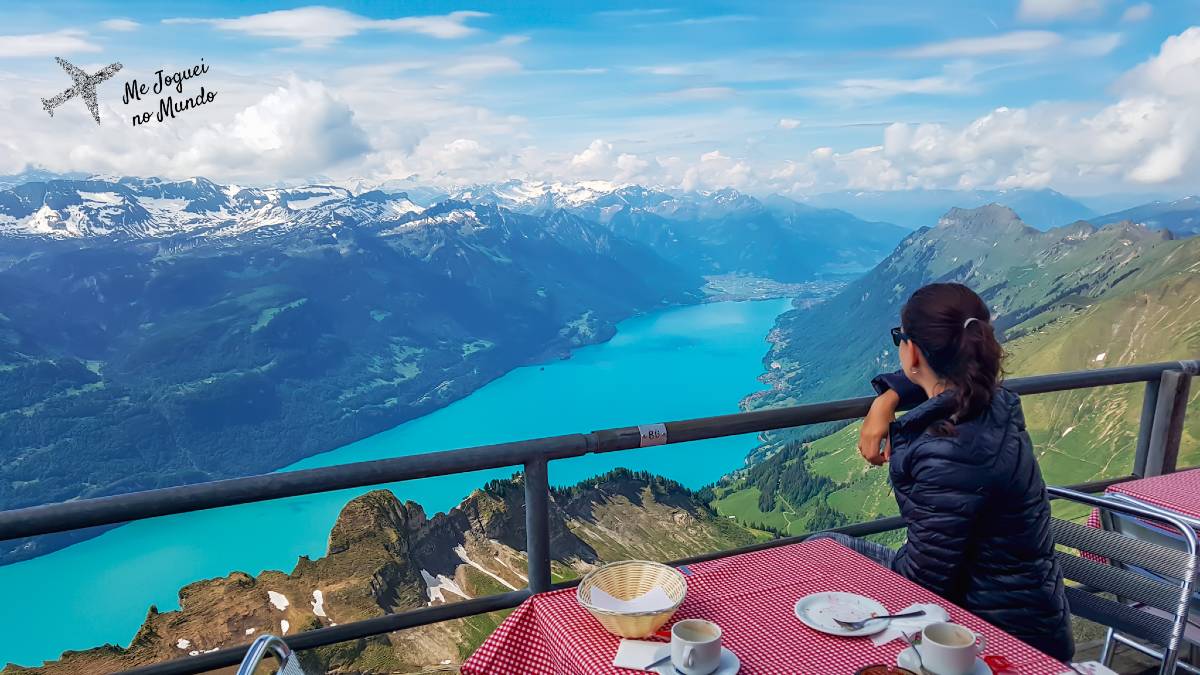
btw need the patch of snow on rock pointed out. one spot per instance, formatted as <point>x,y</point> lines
<point>284,626</point>
<point>439,584</point>
<point>183,643</point>
<point>278,599</point>
<point>318,603</point>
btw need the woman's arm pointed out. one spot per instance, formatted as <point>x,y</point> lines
<point>895,391</point>
<point>911,394</point>
<point>874,439</point>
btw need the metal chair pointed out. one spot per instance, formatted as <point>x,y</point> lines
<point>289,661</point>
<point>1139,529</point>
<point>1169,592</point>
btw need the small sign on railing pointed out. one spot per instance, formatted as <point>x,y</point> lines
<point>653,434</point>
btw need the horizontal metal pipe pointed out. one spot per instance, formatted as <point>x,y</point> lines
<point>199,496</point>
<point>151,503</point>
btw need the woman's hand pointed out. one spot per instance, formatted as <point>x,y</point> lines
<point>874,440</point>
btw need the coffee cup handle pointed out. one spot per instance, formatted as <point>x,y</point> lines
<point>981,646</point>
<point>688,656</point>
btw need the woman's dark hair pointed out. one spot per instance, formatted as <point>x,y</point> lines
<point>963,352</point>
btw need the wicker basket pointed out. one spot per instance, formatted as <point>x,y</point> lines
<point>626,580</point>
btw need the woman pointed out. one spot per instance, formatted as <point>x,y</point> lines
<point>964,474</point>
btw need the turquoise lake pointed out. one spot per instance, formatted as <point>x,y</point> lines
<point>670,365</point>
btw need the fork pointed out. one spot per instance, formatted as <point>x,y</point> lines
<point>912,643</point>
<point>855,625</point>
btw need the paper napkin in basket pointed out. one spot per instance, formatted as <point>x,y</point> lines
<point>656,600</point>
<point>637,654</point>
<point>933,614</point>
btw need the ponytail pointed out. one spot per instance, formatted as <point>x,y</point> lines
<point>951,326</point>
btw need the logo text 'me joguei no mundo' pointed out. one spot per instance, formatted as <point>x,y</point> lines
<point>84,86</point>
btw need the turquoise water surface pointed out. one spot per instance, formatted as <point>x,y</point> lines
<point>674,364</point>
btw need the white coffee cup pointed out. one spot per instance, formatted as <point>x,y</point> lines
<point>950,649</point>
<point>695,646</point>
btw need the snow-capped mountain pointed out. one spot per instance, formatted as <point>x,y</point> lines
<point>151,207</point>
<point>703,232</point>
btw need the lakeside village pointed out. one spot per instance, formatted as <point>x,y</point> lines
<point>168,106</point>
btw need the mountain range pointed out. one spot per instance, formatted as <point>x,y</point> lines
<point>1181,216</point>
<point>151,332</point>
<point>134,357</point>
<point>1042,209</point>
<point>1071,298</point>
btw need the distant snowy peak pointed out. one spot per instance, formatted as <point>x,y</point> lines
<point>601,200</point>
<point>152,207</point>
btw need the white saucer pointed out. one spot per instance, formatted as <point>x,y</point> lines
<point>818,611</point>
<point>730,664</point>
<point>908,659</point>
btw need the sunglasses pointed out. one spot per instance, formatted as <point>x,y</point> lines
<point>898,336</point>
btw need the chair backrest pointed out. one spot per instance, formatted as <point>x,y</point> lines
<point>289,661</point>
<point>1171,592</point>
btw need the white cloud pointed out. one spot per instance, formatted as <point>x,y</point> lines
<point>878,88</point>
<point>700,93</point>
<point>512,40</point>
<point>481,66</point>
<point>122,25</point>
<point>1057,10</point>
<point>666,70</point>
<point>788,123</point>
<point>298,129</point>
<point>708,20</point>
<point>1138,12</point>
<point>1007,43</point>
<point>1149,135</point>
<point>45,44</point>
<point>648,11</point>
<point>1054,10</point>
<point>316,27</point>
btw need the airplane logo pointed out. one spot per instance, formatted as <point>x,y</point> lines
<point>84,87</point>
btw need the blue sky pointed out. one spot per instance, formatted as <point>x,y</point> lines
<point>794,97</point>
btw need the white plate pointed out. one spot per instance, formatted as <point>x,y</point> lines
<point>818,611</point>
<point>908,659</point>
<point>729,665</point>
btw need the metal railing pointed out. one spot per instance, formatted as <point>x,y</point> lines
<point>1157,451</point>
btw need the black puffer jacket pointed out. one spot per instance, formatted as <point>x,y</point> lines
<point>978,517</point>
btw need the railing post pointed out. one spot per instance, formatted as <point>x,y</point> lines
<point>1167,430</point>
<point>1145,426</point>
<point>537,524</point>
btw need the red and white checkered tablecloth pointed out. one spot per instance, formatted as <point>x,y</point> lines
<point>751,596</point>
<point>1178,492</point>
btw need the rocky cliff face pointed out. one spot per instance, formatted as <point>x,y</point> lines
<point>387,556</point>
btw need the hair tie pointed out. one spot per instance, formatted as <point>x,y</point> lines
<point>968,322</point>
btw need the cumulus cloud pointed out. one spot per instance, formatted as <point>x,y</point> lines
<point>300,128</point>
<point>316,27</point>
<point>45,44</point>
<point>788,123</point>
<point>1148,136</point>
<point>121,25</point>
<point>294,131</point>
<point>1055,10</point>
